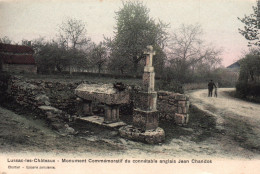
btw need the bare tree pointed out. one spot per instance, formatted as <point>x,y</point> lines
<point>5,40</point>
<point>72,37</point>
<point>187,51</point>
<point>72,34</point>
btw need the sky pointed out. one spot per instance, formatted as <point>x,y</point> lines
<point>30,19</point>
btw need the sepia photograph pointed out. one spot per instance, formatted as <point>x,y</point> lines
<point>129,86</point>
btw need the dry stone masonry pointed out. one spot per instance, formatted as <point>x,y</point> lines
<point>34,96</point>
<point>173,106</point>
<point>56,102</point>
<point>105,94</point>
<point>145,115</point>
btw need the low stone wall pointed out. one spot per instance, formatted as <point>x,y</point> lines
<point>35,93</point>
<point>59,96</point>
<point>173,106</point>
<point>43,98</point>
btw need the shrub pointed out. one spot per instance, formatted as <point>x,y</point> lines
<point>250,91</point>
<point>170,85</point>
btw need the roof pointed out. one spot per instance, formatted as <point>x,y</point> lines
<point>234,65</point>
<point>8,48</point>
<point>17,59</point>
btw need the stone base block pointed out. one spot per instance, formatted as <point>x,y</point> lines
<point>145,120</point>
<point>150,136</point>
<point>87,108</point>
<point>111,114</point>
<point>181,119</point>
<point>146,101</point>
<point>97,120</point>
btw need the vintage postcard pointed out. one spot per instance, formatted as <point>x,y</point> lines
<point>124,86</point>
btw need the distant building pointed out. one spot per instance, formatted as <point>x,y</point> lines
<point>234,67</point>
<point>17,58</point>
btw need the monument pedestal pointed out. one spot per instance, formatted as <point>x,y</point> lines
<point>105,94</point>
<point>154,136</point>
<point>111,113</point>
<point>87,108</point>
<point>145,116</point>
<point>145,120</point>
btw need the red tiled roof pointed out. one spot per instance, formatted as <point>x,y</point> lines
<point>17,59</point>
<point>8,48</point>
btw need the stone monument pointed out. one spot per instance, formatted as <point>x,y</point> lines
<point>145,115</point>
<point>105,94</point>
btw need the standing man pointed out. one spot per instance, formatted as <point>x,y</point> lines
<point>211,85</point>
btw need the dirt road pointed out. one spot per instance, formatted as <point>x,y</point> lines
<point>237,118</point>
<point>224,103</point>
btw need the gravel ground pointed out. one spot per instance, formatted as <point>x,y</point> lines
<point>227,128</point>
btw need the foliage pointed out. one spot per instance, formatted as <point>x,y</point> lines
<point>188,54</point>
<point>250,68</point>
<point>249,91</point>
<point>5,40</point>
<point>170,85</point>
<point>251,28</point>
<point>135,30</point>
<point>248,85</point>
<point>50,56</point>
<point>98,56</point>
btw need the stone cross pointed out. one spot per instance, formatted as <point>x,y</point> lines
<point>150,53</point>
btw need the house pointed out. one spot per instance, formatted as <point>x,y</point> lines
<point>17,58</point>
<point>234,66</point>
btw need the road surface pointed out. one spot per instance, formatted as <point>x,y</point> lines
<point>237,118</point>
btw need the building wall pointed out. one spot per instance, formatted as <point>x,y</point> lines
<point>18,68</point>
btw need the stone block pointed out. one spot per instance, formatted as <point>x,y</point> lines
<point>179,109</point>
<point>102,93</point>
<point>182,103</point>
<point>87,108</point>
<point>148,81</point>
<point>181,119</point>
<point>145,120</point>
<point>146,101</point>
<point>148,69</point>
<point>184,110</point>
<point>187,118</point>
<point>151,136</point>
<point>172,101</point>
<point>111,114</point>
<point>50,109</point>
<point>57,126</point>
<point>180,97</point>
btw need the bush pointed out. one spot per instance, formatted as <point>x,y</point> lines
<point>250,91</point>
<point>170,85</point>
